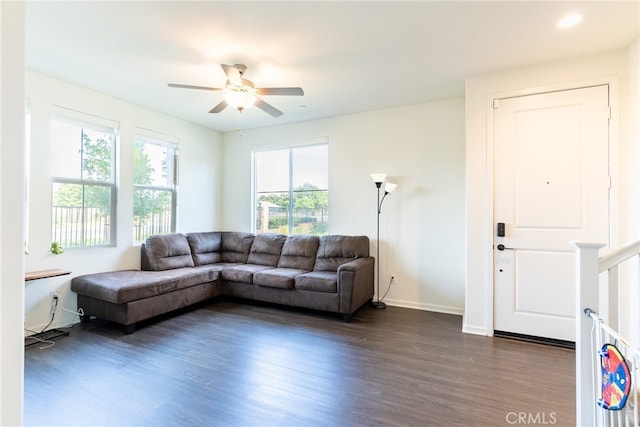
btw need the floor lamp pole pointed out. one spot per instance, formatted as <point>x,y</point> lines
<point>378,303</point>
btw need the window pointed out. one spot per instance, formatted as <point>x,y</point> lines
<point>291,190</point>
<point>83,183</point>
<point>154,189</point>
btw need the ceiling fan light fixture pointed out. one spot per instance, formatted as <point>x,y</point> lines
<point>240,97</point>
<point>241,93</point>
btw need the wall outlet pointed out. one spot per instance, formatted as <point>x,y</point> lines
<point>54,303</point>
<point>393,279</point>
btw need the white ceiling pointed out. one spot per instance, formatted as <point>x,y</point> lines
<point>347,56</point>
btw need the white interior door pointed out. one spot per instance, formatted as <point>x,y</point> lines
<point>551,187</point>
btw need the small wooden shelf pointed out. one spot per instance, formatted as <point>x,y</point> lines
<point>43,274</point>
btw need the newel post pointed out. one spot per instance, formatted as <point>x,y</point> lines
<point>587,296</point>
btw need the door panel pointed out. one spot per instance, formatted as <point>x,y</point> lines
<point>548,164</point>
<point>532,290</point>
<point>551,187</point>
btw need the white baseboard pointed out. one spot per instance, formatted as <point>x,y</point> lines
<point>475,330</point>
<point>467,329</point>
<point>459,311</point>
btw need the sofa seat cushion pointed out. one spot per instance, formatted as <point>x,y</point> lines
<point>125,286</point>
<point>319,281</point>
<point>283,278</point>
<point>243,272</point>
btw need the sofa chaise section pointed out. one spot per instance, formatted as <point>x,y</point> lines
<point>169,280</point>
<point>130,296</point>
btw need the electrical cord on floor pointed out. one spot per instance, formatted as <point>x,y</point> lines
<point>49,343</point>
<point>44,329</point>
<point>53,314</point>
<point>388,289</point>
<point>79,312</point>
<point>58,300</point>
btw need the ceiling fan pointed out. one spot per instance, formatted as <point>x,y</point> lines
<point>241,93</point>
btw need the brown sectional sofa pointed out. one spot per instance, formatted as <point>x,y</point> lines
<point>332,273</point>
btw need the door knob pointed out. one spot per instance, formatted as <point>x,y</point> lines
<point>502,247</point>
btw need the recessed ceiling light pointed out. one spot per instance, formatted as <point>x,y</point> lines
<point>570,20</point>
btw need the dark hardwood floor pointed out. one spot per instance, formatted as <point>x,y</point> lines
<point>245,364</point>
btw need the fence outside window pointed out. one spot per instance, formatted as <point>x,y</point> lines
<point>76,226</point>
<point>155,223</point>
<point>272,218</point>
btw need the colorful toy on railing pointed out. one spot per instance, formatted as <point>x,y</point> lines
<point>616,379</point>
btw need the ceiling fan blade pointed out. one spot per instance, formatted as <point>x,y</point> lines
<point>193,87</point>
<point>268,108</point>
<point>221,106</point>
<point>291,91</point>
<point>233,75</point>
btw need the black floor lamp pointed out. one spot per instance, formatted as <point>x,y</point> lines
<point>378,179</point>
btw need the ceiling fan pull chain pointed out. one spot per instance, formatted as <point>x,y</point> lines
<point>238,127</point>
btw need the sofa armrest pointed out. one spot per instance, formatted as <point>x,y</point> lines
<point>355,283</point>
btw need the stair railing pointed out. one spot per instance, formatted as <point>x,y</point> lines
<point>589,266</point>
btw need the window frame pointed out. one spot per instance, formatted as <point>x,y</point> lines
<point>290,190</point>
<point>148,137</point>
<point>86,122</point>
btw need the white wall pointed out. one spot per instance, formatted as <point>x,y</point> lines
<point>633,193</point>
<point>198,193</point>
<point>12,59</point>
<point>421,148</point>
<point>479,90</point>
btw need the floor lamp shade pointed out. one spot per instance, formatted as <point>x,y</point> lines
<point>379,179</point>
<point>389,187</point>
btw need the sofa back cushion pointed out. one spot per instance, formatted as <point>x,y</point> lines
<point>166,251</point>
<point>205,247</point>
<point>266,249</point>
<point>214,246</point>
<point>336,250</point>
<point>299,252</point>
<point>236,246</point>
